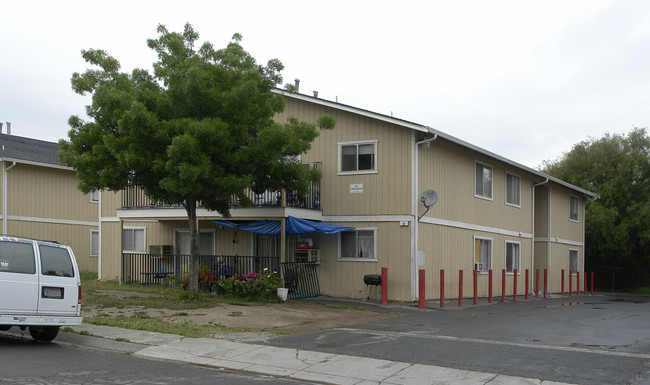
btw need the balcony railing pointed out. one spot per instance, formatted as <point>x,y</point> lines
<point>133,197</point>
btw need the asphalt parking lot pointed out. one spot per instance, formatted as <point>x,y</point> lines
<point>599,339</point>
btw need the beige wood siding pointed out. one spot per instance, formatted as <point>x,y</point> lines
<point>449,169</point>
<point>561,226</point>
<point>111,251</point>
<point>345,278</point>
<point>452,250</point>
<point>384,192</point>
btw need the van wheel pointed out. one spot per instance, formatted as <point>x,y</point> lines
<point>43,333</point>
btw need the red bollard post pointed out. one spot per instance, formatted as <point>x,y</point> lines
<point>421,294</point>
<point>384,285</point>
<point>585,283</point>
<point>545,282</point>
<point>490,286</point>
<point>460,288</point>
<point>442,288</point>
<point>503,285</point>
<point>475,286</point>
<point>592,283</point>
<point>577,283</point>
<point>527,285</point>
<point>562,282</point>
<point>536,283</point>
<point>570,283</point>
<point>514,286</point>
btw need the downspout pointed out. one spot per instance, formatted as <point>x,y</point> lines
<point>532,244</point>
<point>4,195</point>
<point>414,207</point>
<point>99,235</point>
<point>584,221</point>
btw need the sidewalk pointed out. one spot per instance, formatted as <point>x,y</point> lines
<point>296,364</point>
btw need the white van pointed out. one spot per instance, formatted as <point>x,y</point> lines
<point>40,287</point>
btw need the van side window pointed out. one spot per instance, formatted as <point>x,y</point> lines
<point>55,261</point>
<point>17,257</point>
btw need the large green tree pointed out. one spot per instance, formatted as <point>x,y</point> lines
<point>616,167</point>
<point>199,128</point>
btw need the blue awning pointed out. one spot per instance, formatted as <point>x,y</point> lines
<point>294,226</point>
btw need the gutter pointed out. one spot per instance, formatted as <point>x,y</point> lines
<point>532,244</point>
<point>414,206</point>
<point>4,194</point>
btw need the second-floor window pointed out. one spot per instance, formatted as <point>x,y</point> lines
<point>358,157</point>
<point>483,181</point>
<point>573,208</point>
<point>513,190</point>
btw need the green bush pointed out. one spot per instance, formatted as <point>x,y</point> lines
<point>252,286</point>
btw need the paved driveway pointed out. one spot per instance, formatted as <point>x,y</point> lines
<point>601,339</point>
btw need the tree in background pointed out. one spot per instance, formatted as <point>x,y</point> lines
<point>616,167</point>
<point>200,128</point>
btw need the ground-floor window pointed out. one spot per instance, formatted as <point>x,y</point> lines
<point>94,243</point>
<point>513,256</point>
<point>573,260</point>
<point>359,244</point>
<point>482,254</point>
<point>133,239</point>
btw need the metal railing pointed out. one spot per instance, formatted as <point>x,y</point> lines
<point>301,278</point>
<point>162,268</point>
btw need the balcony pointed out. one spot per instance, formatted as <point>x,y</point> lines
<point>133,197</point>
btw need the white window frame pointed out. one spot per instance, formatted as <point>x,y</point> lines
<point>374,170</point>
<point>94,196</point>
<point>485,269</point>
<point>577,206</point>
<point>94,232</point>
<point>518,203</point>
<point>518,264</point>
<point>358,259</point>
<point>484,166</point>
<point>577,255</point>
<point>144,238</point>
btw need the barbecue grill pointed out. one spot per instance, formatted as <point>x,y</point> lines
<point>371,281</point>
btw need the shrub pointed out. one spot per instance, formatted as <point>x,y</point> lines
<point>252,285</point>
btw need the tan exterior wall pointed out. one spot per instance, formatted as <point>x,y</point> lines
<point>561,226</point>
<point>449,169</point>
<point>385,192</point>
<point>44,203</point>
<point>345,278</point>
<point>452,249</point>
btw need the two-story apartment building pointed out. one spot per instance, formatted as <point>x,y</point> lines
<point>491,213</point>
<point>40,199</point>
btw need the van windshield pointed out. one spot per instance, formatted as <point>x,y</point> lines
<point>56,261</point>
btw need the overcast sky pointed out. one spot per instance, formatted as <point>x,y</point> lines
<point>523,79</point>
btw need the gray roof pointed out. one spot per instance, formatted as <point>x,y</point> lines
<point>18,148</point>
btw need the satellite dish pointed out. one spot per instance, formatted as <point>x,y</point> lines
<point>429,198</point>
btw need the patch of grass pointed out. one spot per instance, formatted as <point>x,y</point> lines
<point>181,314</point>
<point>235,314</point>
<point>122,339</point>
<point>186,329</point>
<point>102,294</point>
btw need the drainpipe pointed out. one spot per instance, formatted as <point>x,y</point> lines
<point>414,206</point>
<point>4,194</point>
<point>584,220</point>
<point>532,246</point>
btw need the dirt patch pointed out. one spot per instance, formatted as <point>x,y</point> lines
<point>264,321</point>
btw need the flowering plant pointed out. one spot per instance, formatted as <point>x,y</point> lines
<point>252,285</point>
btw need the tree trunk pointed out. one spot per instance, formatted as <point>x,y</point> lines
<point>190,207</point>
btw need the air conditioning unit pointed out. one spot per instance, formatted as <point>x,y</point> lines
<point>161,249</point>
<point>478,266</point>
